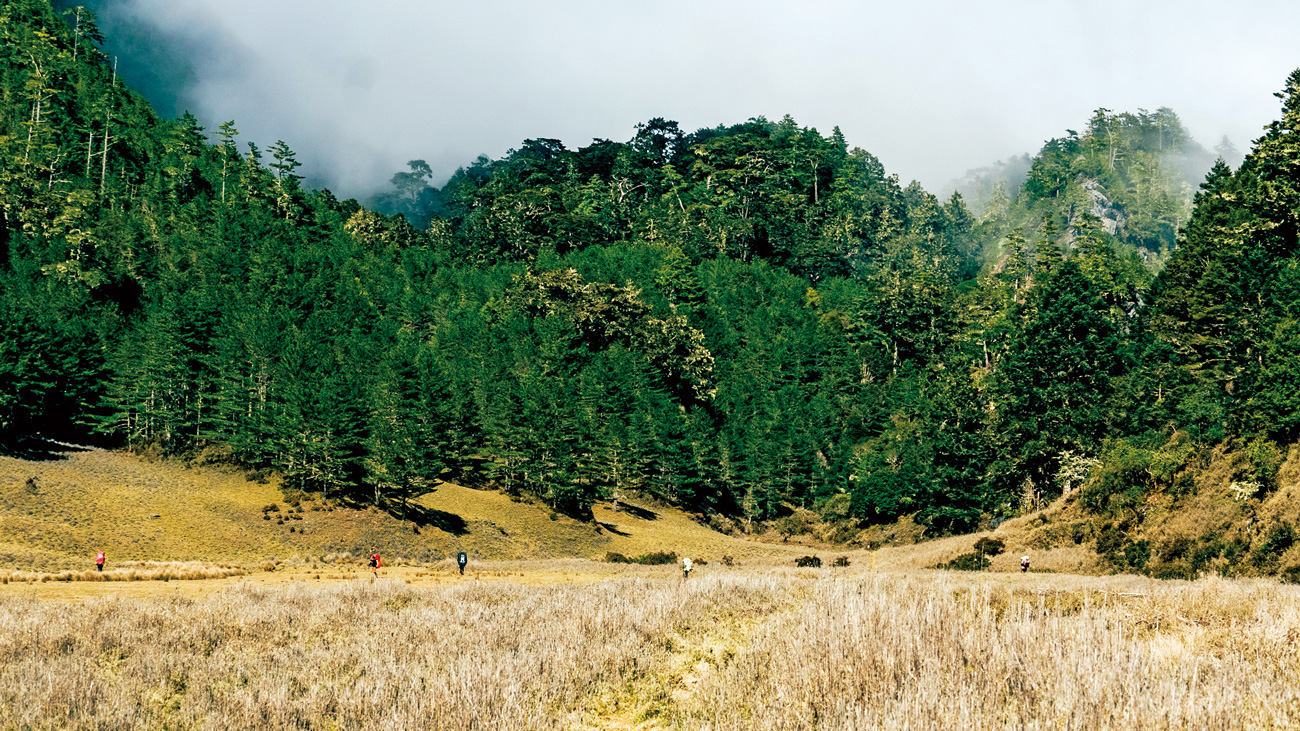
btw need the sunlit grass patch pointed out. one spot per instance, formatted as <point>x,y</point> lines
<point>133,571</point>
<point>736,648</point>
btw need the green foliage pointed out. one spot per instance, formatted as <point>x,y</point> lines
<point>1265,461</point>
<point>655,558</point>
<point>989,546</point>
<point>1137,555</point>
<point>966,562</point>
<point>1280,538</point>
<point>753,319</point>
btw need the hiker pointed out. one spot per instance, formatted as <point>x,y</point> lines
<point>99,561</point>
<point>686,568</point>
<point>1024,564</point>
<point>462,559</point>
<point>375,564</point>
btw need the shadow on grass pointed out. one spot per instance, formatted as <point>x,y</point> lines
<point>422,517</point>
<point>440,519</point>
<point>612,529</point>
<point>39,450</point>
<point>636,512</point>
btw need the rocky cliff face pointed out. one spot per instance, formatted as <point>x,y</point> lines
<point>1111,216</point>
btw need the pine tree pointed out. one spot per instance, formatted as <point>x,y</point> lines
<point>1056,377</point>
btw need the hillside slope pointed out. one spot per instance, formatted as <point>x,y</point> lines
<point>1210,518</point>
<point>85,501</point>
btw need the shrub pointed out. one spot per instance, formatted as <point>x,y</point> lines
<point>840,561</point>
<point>657,558</point>
<point>990,546</point>
<point>1110,540</point>
<point>1120,480</point>
<point>837,508</point>
<point>798,522</point>
<point>1175,570</point>
<point>1137,554</point>
<point>728,561</point>
<point>1202,556</point>
<point>1266,459</point>
<point>1175,548</point>
<point>1278,541</point>
<point>613,557</point>
<point>808,562</point>
<point>966,562</point>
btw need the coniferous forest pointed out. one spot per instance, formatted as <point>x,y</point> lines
<point>739,320</point>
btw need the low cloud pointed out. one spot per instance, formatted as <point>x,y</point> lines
<point>933,89</point>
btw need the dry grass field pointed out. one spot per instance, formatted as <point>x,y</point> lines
<point>211,616</point>
<point>747,647</point>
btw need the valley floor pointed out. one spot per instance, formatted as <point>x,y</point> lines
<point>583,645</point>
<point>290,630</point>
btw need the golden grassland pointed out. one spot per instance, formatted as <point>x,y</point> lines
<point>141,510</point>
<point>210,616</point>
<point>586,645</point>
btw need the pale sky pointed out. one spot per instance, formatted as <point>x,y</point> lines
<point>358,87</point>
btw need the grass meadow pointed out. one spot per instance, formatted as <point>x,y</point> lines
<point>756,646</point>
<point>139,510</point>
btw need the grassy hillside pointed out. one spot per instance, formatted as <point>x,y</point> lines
<point>84,501</point>
<point>1210,518</point>
<point>142,510</point>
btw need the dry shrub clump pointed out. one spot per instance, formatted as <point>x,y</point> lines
<point>654,558</point>
<point>134,571</point>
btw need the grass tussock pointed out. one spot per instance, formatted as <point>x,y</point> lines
<point>772,649</point>
<point>133,571</point>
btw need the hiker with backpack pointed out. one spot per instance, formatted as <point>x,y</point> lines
<point>1024,564</point>
<point>99,561</point>
<point>375,564</point>
<point>686,568</point>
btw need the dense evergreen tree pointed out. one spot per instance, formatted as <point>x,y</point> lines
<point>742,319</point>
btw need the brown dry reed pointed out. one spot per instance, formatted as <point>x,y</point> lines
<point>777,649</point>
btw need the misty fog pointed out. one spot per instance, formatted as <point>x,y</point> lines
<point>933,89</point>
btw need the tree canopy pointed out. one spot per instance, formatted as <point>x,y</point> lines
<point>741,320</point>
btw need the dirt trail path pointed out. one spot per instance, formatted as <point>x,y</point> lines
<point>695,652</point>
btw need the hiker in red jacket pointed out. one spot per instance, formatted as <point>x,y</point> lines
<point>375,564</point>
<point>99,561</point>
